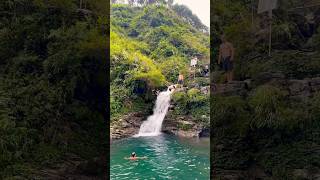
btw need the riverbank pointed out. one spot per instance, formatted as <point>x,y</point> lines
<point>184,126</point>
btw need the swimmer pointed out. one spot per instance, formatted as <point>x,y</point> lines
<point>134,157</point>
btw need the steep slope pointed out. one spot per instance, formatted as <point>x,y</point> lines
<point>150,45</point>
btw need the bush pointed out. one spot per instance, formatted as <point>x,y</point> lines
<point>171,68</point>
<point>229,113</point>
<point>267,103</point>
<point>192,103</point>
<point>197,103</point>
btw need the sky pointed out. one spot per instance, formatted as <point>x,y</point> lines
<point>201,8</point>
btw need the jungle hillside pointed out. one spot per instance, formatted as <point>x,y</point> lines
<point>53,88</point>
<point>151,43</point>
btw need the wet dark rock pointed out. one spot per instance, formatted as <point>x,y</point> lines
<point>204,132</point>
<point>171,107</point>
<point>248,84</point>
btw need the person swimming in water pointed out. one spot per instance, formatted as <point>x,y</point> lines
<point>134,157</point>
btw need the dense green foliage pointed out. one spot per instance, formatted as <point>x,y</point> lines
<point>267,129</point>
<point>193,103</point>
<point>150,46</point>
<point>53,83</point>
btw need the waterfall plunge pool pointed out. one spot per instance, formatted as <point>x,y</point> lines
<point>169,157</point>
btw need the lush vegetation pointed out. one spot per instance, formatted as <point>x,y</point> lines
<point>193,103</point>
<point>151,43</point>
<point>53,84</point>
<point>267,129</point>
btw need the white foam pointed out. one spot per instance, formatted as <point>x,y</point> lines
<point>152,126</point>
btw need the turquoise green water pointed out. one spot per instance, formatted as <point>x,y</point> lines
<point>169,157</point>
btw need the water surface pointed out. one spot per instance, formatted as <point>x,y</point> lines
<point>169,157</point>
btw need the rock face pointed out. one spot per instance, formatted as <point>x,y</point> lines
<point>229,89</point>
<point>183,126</point>
<point>128,126</point>
<point>299,88</point>
<point>303,88</point>
<point>296,88</point>
<point>267,77</point>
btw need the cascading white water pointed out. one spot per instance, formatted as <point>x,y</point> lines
<point>152,126</point>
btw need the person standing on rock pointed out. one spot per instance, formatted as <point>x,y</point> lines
<point>193,65</point>
<point>180,80</point>
<point>206,70</point>
<point>194,62</point>
<point>226,57</point>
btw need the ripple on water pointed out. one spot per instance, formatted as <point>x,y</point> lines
<point>168,158</point>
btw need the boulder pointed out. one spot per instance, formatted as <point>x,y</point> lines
<point>181,126</point>
<point>299,88</point>
<point>194,85</point>
<point>205,89</point>
<point>269,78</point>
<point>205,132</point>
<point>232,88</point>
<point>127,126</point>
<point>303,88</point>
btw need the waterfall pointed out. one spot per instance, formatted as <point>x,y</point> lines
<point>152,126</point>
